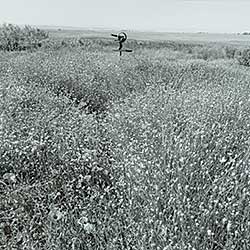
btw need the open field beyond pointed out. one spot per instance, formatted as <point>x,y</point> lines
<point>238,39</point>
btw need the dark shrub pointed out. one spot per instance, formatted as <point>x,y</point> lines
<point>230,52</point>
<point>13,37</point>
<point>243,57</point>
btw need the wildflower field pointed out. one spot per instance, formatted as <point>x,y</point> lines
<point>147,151</point>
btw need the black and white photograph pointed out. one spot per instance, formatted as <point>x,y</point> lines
<point>125,125</point>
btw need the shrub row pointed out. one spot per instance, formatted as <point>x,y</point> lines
<point>15,38</point>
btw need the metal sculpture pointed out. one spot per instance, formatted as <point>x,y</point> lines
<point>121,38</point>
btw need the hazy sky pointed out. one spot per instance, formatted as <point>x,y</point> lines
<point>158,15</point>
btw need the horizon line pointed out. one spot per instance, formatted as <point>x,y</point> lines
<point>104,28</point>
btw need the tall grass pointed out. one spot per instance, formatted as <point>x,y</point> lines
<point>150,151</point>
<point>184,158</point>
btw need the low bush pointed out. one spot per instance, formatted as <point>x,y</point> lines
<point>231,52</point>
<point>209,53</point>
<point>243,57</point>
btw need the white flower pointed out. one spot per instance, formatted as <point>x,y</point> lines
<point>224,220</point>
<point>229,226</point>
<point>56,214</point>
<point>82,220</point>
<point>223,160</point>
<point>89,228</point>
<point>9,177</point>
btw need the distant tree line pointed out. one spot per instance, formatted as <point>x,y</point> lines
<point>246,33</point>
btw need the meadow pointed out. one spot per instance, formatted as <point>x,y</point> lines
<point>150,150</point>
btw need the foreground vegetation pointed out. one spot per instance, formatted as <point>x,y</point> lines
<point>150,151</point>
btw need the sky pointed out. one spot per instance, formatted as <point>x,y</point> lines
<point>214,16</point>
